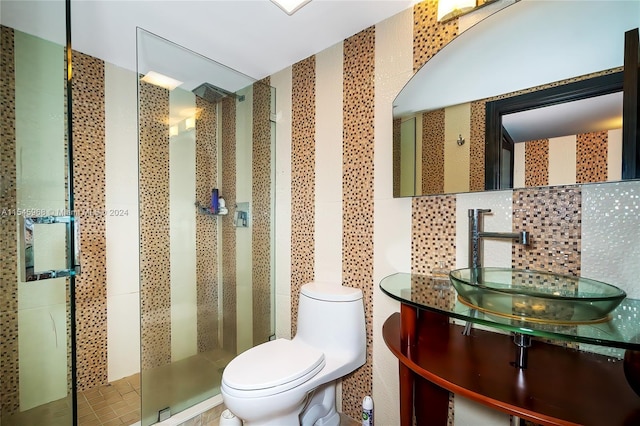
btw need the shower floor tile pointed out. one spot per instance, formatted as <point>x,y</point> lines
<point>117,403</point>
<point>183,383</point>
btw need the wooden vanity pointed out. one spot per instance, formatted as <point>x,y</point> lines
<point>561,385</point>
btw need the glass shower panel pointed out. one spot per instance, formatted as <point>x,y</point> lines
<point>35,222</point>
<point>206,283</point>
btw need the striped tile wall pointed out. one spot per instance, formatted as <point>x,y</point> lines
<point>155,277</point>
<point>302,180</point>
<point>89,193</point>
<point>357,193</point>
<point>262,211</point>
<point>228,251</point>
<point>206,226</point>
<point>9,386</point>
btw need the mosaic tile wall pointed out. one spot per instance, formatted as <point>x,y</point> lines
<point>397,125</point>
<point>553,216</point>
<point>429,35</point>
<point>438,244</point>
<point>89,193</point>
<point>155,277</point>
<point>9,385</point>
<point>302,179</point>
<point>357,196</point>
<point>206,226</point>
<point>433,143</point>
<point>433,218</point>
<point>536,163</point>
<point>433,239</point>
<point>228,250</point>
<point>476,163</point>
<point>591,157</point>
<point>261,212</point>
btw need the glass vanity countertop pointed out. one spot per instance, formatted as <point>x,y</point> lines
<point>622,330</point>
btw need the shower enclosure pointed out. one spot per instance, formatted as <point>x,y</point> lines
<point>168,291</point>
<point>206,139</point>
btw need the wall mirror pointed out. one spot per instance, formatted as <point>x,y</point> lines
<point>530,47</point>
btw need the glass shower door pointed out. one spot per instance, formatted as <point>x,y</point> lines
<point>206,274</point>
<point>36,226</point>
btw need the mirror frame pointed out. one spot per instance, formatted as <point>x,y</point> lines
<point>631,96</point>
<point>583,89</point>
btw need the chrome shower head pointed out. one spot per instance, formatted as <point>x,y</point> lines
<point>211,93</point>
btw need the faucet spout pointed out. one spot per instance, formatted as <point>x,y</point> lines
<point>519,237</point>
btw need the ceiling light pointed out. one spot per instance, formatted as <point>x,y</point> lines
<point>290,6</point>
<point>161,80</point>
<point>448,9</point>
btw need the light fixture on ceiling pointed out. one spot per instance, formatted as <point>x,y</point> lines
<point>449,9</point>
<point>290,6</point>
<point>161,80</point>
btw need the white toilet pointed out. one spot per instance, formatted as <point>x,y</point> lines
<point>290,382</point>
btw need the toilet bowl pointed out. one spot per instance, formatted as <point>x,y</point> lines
<point>290,382</point>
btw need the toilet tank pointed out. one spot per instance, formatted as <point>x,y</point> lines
<point>331,318</point>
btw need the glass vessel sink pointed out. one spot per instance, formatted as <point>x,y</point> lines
<point>536,296</point>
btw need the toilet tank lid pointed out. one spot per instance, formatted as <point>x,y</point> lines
<point>331,292</point>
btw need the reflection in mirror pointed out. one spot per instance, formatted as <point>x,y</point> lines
<point>561,135</point>
<point>448,96</point>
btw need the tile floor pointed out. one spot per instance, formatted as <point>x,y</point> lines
<point>119,403</point>
<point>56,413</point>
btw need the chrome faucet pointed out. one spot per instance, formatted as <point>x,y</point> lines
<point>476,234</point>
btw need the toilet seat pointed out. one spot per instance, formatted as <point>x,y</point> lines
<point>272,367</point>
